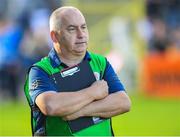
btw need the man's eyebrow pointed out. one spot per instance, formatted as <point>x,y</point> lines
<point>84,24</point>
<point>75,25</point>
<point>71,26</point>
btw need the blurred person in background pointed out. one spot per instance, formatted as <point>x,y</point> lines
<point>165,19</point>
<point>158,41</point>
<point>123,51</point>
<point>50,108</point>
<point>23,40</point>
<point>11,35</point>
<point>36,42</point>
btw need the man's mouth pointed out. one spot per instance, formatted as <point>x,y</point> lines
<point>80,43</point>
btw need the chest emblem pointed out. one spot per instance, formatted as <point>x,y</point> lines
<point>97,75</point>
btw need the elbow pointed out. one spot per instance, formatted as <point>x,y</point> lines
<point>124,106</point>
<point>53,110</point>
<point>127,106</point>
<point>48,106</point>
<point>48,110</point>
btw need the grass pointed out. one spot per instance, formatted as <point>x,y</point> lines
<point>14,119</point>
<point>148,117</point>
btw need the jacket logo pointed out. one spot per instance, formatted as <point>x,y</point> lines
<point>97,75</point>
<point>34,85</point>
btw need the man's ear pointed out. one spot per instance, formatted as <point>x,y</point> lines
<point>53,36</point>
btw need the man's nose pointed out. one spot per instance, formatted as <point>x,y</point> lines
<point>80,33</point>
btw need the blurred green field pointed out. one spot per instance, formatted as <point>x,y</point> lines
<point>148,117</point>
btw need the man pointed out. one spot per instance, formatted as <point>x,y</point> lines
<point>52,108</point>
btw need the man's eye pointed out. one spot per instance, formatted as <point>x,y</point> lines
<point>83,27</point>
<point>71,29</point>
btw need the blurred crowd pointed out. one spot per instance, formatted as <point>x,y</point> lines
<point>160,71</point>
<point>24,35</point>
<point>24,39</point>
<point>162,25</point>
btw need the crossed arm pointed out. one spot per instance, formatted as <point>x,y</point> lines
<point>114,104</point>
<point>91,101</point>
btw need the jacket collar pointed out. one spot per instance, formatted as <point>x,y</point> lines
<point>56,61</point>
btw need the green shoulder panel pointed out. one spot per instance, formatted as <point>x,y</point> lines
<point>98,63</point>
<point>45,64</point>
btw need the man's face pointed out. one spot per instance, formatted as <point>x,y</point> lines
<point>73,35</point>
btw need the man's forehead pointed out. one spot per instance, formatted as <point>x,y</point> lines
<point>66,13</point>
<point>73,19</point>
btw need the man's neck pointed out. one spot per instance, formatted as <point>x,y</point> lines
<point>70,60</point>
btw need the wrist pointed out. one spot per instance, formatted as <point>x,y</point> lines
<point>90,93</point>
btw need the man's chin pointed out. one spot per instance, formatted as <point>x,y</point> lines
<point>80,52</point>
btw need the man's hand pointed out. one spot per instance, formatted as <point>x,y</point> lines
<point>99,89</point>
<point>72,116</point>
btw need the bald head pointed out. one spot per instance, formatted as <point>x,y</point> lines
<point>60,14</point>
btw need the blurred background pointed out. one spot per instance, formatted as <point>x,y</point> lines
<point>141,39</point>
